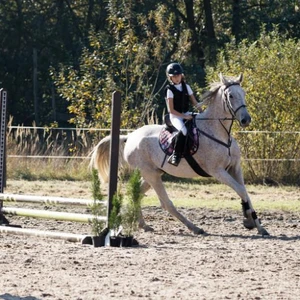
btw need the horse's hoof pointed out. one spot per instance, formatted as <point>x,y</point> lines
<point>249,224</point>
<point>199,231</point>
<point>264,232</point>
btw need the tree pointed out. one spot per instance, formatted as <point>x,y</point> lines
<point>123,61</point>
<point>190,31</point>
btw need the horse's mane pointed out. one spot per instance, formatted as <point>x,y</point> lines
<point>214,87</point>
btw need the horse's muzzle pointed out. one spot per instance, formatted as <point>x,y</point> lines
<point>245,121</point>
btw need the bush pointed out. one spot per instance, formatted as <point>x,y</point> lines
<point>130,217</point>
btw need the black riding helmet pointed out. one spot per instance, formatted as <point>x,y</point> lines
<point>174,69</point>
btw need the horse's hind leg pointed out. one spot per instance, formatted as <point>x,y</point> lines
<point>145,186</point>
<point>155,181</point>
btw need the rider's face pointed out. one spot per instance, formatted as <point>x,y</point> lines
<point>176,79</point>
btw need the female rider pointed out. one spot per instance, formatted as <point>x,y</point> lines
<point>178,96</point>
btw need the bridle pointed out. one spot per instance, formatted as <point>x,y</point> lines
<point>226,101</point>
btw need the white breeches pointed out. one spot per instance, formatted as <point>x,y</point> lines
<point>178,123</point>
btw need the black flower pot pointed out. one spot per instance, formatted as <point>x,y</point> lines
<point>98,241</point>
<point>115,241</point>
<point>126,241</point>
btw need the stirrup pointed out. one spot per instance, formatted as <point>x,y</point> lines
<point>174,159</point>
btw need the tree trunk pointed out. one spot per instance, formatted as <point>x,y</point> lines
<point>210,31</point>
<point>35,88</point>
<point>209,23</point>
<point>196,47</point>
<point>236,20</point>
<point>89,18</point>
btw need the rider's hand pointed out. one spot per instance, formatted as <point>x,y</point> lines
<point>198,106</point>
<point>188,117</point>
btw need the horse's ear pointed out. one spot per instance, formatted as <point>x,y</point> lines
<point>222,78</point>
<point>240,78</point>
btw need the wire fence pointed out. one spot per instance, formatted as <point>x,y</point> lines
<point>75,132</point>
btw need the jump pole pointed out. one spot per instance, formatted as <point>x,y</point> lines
<point>54,215</point>
<point>15,198</point>
<point>114,160</point>
<point>71,237</point>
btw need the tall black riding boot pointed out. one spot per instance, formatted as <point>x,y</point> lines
<point>175,158</point>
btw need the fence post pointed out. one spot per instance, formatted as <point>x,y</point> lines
<point>114,149</point>
<point>3,103</point>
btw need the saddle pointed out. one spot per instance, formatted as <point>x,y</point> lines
<point>166,142</point>
<point>166,137</point>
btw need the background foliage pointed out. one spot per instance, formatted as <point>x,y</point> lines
<point>136,40</point>
<point>61,60</point>
<point>271,68</point>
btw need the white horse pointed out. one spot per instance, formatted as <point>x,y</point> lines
<point>218,153</point>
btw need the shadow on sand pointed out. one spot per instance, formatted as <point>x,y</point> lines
<point>7,296</point>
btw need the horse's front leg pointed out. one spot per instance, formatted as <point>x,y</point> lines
<point>234,179</point>
<point>250,217</point>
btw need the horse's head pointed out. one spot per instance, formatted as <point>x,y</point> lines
<point>234,99</point>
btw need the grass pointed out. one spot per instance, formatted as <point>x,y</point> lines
<point>192,194</point>
<point>48,169</point>
<point>264,205</point>
<point>218,196</point>
<point>46,144</point>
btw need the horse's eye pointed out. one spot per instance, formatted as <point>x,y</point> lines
<point>230,96</point>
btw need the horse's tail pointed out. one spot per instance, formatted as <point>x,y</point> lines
<point>100,157</point>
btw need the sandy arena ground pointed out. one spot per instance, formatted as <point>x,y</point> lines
<point>169,263</point>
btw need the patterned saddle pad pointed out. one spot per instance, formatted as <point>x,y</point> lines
<point>166,140</point>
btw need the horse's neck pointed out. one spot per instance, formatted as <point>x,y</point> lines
<point>214,116</point>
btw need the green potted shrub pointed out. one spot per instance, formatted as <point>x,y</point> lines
<point>115,219</point>
<point>98,227</point>
<point>131,212</point>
